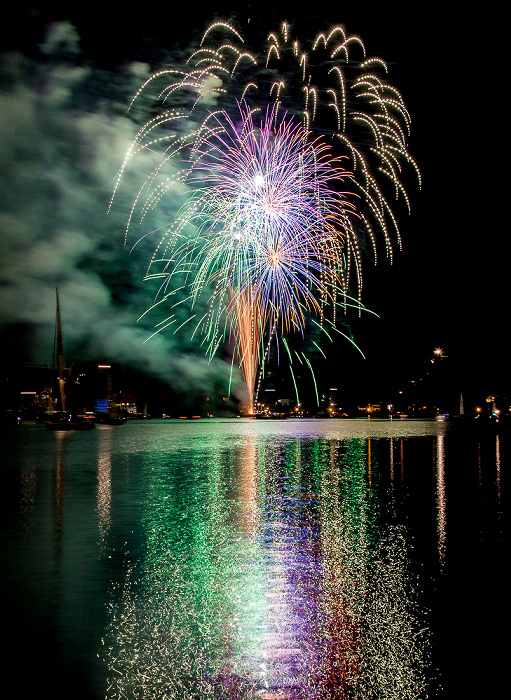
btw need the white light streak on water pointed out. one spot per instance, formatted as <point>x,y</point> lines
<point>441,499</point>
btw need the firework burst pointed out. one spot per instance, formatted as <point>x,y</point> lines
<point>274,224</point>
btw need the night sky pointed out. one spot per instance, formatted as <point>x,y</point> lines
<point>64,132</point>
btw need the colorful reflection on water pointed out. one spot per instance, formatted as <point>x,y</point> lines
<point>266,573</point>
<point>245,559</point>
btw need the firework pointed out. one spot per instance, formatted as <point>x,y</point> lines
<point>285,158</point>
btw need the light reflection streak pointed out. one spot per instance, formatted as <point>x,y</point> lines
<point>480,492</point>
<point>246,499</point>
<point>104,487</point>
<point>441,499</point>
<point>28,486</point>
<point>497,463</point>
<point>60,437</point>
<point>402,460</point>
<point>344,561</point>
<point>264,575</point>
<point>391,458</point>
<point>369,461</point>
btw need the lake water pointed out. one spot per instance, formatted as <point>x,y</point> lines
<point>255,559</point>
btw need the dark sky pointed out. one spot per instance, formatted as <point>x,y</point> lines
<point>446,289</point>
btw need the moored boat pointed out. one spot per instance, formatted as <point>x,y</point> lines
<point>66,421</point>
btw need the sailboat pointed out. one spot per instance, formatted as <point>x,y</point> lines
<point>61,419</point>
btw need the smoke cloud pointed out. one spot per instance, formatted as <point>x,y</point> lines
<point>64,133</point>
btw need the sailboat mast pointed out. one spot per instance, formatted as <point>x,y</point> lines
<point>61,363</point>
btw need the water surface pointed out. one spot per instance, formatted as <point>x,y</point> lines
<point>255,559</point>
